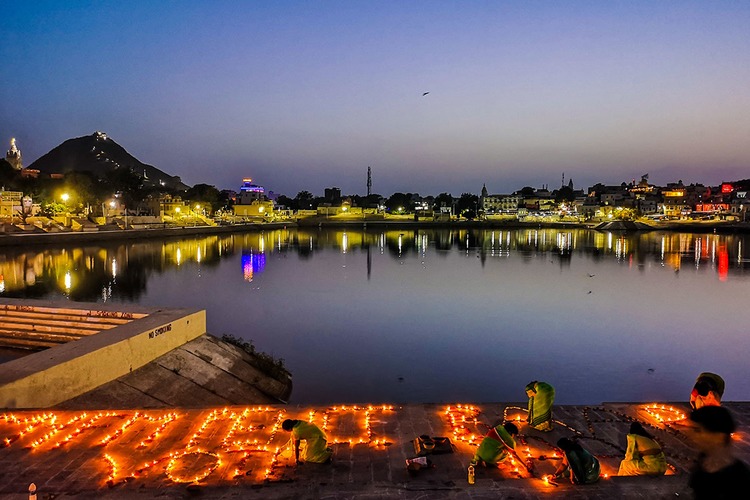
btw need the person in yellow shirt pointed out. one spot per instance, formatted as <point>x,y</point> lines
<point>315,449</point>
<point>644,456</point>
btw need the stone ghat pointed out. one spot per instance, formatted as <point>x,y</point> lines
<point>226,452</point>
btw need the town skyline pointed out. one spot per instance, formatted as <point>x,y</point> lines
<point>14,157</point>
<point>433,96</point>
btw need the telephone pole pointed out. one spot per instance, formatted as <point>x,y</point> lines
<point>369,181</point>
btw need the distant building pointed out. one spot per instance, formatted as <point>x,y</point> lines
<point>13,156</point>
<point>10,203</point>
<point>258,208</point>
<point>252,201</point>
<point>332,194</point>
<point>250,192</point>
<point>160,205</point>
<point>498,203</point>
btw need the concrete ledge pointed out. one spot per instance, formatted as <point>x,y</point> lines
<point>46,378</point>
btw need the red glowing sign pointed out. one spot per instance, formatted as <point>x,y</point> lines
<point>727,188</point>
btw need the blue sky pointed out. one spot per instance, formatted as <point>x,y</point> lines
<point>307,95</point>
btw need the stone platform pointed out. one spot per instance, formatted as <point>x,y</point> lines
<point>241,452</point>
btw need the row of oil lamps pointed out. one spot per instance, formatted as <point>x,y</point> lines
<point>460,418</point>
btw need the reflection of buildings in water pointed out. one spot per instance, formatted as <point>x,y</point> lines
<point>101,272</point>
<point>630,249</point>
<point>98,272</point>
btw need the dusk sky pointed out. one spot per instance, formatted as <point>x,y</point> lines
<point>307,95</point>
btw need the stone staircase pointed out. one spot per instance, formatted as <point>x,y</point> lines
<point>36,327</point>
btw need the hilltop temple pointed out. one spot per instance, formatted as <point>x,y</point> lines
<point>13,156</point>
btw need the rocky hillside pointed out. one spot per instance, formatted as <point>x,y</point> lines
<point>99,154</point>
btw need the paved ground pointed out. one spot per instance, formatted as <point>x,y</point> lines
<point>240,452</point>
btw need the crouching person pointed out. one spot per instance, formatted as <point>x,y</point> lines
<point>644,456</point>
<point>577,464</point>
<point>315,449</point>
<point>494,447</point>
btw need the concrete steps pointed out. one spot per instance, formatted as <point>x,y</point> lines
<point>33,327</point>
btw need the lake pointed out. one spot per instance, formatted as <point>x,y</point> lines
<point>440,315</point>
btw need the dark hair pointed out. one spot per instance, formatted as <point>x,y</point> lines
<point>530,386</point>
<point>708,381</point>
<point>703,387</point>
<point>714,419</point>
<point>637,428</point>
<point>567,445</point>
<point>511,428</point>
<point>288,424</point>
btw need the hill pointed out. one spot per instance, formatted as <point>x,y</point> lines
<point>99,154</point>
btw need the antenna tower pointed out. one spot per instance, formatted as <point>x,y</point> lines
<point>369,180</point>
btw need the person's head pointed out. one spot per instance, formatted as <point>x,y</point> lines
<point>714,381</point>
<point>288,424</point>
<point>531,389</point>
<point>568,445</point>
<point>713,427</point>
<point>707,391</point>
<point>637,428</point>
<point>511,428</point>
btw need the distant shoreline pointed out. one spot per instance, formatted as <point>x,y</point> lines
<point>18,239</point>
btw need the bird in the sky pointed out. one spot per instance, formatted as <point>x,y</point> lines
<point>424,93</point>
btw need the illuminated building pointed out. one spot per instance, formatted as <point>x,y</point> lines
<point>252,201</point>
<point>250,192</point>
<point>10,203</point>
<point>13,156</point>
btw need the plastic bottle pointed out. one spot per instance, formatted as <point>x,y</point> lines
<point>471,474</point>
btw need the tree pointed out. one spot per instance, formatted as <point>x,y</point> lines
<point>128,183</point>
<point>400,202</point>
<point>8,175</point>
<point>84,188</point>
<point>204,194</point>
<point>304,200</point>
<point>286,201</point>
<point>443,200</point>
<point>565,193</point>
<point>468,205</point>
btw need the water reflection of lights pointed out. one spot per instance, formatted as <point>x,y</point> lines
<point>251,264</point>
<point>114,268</point>
<point>68,281</point>
<point>344,243</point>
<point>697,252</point>
<point>723,266</point>
<point>621,248</point>
<point>661,255</point>
<point>198,255</point>
<point>563,242</point>
<point>178,255</point>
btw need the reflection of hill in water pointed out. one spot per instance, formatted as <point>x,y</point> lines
<point>122,270</point>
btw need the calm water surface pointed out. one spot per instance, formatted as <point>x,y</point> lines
<point>440,315</point>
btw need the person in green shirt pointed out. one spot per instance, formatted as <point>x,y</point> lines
<point>577,464</point>
<point>493,448</point>
<point>541,396</point>
<point>315,449</point>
